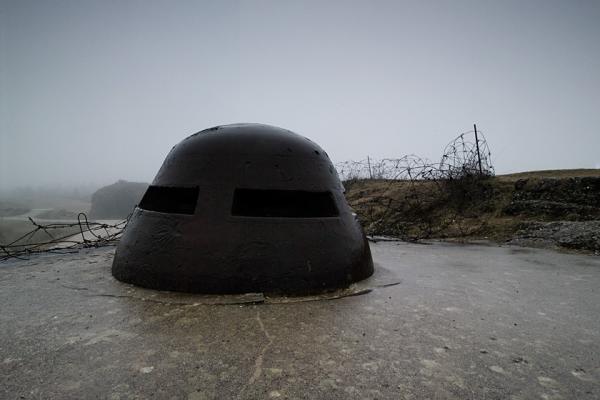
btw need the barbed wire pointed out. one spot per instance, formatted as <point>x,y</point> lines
<point>467,155</point>
<point>462,157</point>
<point>63,237</point>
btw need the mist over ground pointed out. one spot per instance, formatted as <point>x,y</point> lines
<point>93,92</point>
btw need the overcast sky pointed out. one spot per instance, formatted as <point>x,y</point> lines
<point>94,91</point>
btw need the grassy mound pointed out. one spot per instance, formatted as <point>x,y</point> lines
<point>491,208</point>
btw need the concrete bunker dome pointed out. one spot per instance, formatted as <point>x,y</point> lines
<point>244,208</point>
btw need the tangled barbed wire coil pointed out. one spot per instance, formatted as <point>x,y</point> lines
<point>466,155</point>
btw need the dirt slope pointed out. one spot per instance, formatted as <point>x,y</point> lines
<point>549,208</point>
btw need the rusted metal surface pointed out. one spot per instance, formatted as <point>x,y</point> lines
<point>270,246</point>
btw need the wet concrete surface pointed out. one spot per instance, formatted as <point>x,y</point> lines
<point>465,322</point>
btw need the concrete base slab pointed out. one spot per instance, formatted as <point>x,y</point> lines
<point>463,322</point>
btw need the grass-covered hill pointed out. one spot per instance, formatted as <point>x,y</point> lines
<point>558,207</point>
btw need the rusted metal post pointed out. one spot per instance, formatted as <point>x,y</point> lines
<point>478,155</point>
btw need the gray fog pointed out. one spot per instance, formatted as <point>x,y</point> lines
<point>95,91</point>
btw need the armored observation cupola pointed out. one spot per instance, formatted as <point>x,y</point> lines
<point>244,208</point>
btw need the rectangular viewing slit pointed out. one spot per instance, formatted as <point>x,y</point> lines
<point>170,199</point>
<point>283,204</point>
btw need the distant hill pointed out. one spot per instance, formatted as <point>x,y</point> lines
<point>9,209</point>
<point>116,201</point>
<point>552,174</point>
<point>58,214</point>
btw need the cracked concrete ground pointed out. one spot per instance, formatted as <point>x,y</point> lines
<point>465,322</point>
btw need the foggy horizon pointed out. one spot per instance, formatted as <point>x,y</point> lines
<point>93,92</point>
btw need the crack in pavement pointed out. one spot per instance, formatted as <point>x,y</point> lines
<point>258,363</point>
<point>259,360</point>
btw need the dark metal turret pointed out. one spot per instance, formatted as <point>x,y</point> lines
<point>244,208</point>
